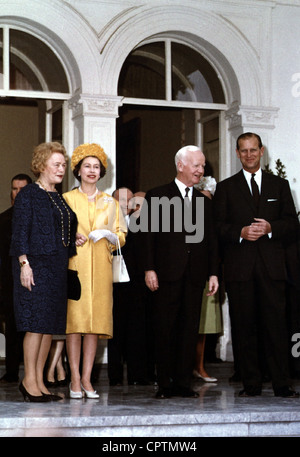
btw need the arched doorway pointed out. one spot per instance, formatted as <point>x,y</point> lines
<point>33,89</point>
<point>173,97</point>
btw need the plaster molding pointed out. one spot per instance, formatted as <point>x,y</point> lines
<point>258,116</point>
<point>251,117</point>
<point>95,105</point>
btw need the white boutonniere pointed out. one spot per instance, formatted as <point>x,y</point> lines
<point>207,183</point>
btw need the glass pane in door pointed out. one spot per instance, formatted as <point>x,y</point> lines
<point>143,73</point>
<point>193,78</point>
<point>33,65</point>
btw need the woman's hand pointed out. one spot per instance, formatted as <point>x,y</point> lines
<point>98,234</point>
<point>26,277</point>
<point>80,239</point>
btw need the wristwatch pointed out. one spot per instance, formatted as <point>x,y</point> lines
<point>24,262</point>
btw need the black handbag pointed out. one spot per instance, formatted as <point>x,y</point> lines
<point>74,286</point>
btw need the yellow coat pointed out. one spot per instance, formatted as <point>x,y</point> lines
<point>93,312</point>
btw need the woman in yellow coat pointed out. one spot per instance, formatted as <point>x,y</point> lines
<point>100,224</point>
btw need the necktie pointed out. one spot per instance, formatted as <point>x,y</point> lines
<point>255,190</point>
<point>186,197</point>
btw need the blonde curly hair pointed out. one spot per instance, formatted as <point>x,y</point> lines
<point>42,153</point>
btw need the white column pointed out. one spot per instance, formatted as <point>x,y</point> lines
<point>94,121</point>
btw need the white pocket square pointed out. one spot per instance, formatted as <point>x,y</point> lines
<point>272,200</point>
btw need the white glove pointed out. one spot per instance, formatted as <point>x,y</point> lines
<point>98,234</point>
<point>112,237</point>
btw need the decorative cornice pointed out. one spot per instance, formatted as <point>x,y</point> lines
<point>258,116</point>
<point>251,116</point>
<point>95,105</point>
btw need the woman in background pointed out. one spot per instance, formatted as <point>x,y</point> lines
<point>210,318</point>
<point>100,225</point>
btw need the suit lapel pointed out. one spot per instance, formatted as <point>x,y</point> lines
<point>244,189</point>
<point>265,185</point>
<point>267,189</point>
<point>174,190</point>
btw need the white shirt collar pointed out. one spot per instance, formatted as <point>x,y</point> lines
<point>258,175</point>
<point>182,188</point>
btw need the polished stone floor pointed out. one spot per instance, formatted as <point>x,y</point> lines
<point>133,411</point>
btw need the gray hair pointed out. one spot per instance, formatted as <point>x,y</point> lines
<point>182,153</point>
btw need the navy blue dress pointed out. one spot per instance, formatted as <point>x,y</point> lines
<point>37,232</point>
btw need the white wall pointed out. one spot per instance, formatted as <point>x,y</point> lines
<point>286,93</point>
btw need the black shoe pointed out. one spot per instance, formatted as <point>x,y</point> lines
<point>62,383</point>
<point>50,383</point>
<point>163,393</point>
<point>33,398</point>
<point>141,382</point>
<point>53,397</point>
<point>250,392</point>
<point>184,392</point>
<point>114,383</point>
<point>9,378</point>
<point>236,377</point>
<point>286,392</point>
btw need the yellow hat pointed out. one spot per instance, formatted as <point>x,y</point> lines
<point>88,150</point>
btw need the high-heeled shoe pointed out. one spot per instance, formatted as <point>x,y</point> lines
<point>90,393</point>
<point>53,397</point>
<point>75,394</point>
<point>204,378</point>
<point>32,398</point>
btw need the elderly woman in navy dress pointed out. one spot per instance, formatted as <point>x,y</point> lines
<point>43,239</point>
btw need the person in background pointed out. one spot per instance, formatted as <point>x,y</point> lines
<point>128,344</point>
<point>43,239</point>
<point>100,225</point>
<point>13,339</point>
<point>210,318</point>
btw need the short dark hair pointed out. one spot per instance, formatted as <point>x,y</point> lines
<point>22,177</point>
<point>245,136</point>
<point>77,168</point>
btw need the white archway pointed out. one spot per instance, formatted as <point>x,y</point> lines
<point>241,86</point>
<point>57,24</point>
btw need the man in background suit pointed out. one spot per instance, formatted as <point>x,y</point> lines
<point>129,342</point>
<point>177,262</point>
<point>255,217</point>
<point>13,339</point>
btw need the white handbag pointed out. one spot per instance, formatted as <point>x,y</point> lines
<point>120,273</point>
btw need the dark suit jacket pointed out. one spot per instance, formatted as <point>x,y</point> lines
<point>33,226</point>
<point>234,208</point>
<point>167,251</point>
<point>6,268</point>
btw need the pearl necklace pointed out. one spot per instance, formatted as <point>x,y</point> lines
<point>61,215</point>
<point>90,197</point>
